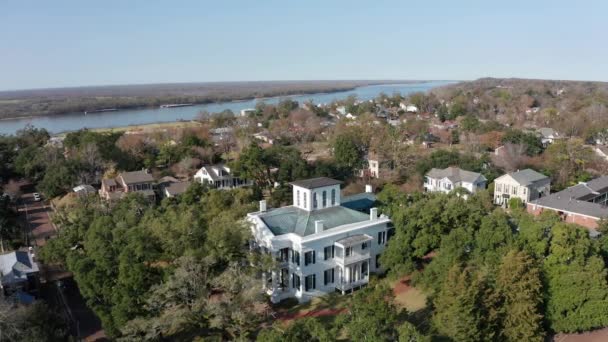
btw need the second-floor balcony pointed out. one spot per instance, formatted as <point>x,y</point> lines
<point>353,249</point>
<point>346,286</point>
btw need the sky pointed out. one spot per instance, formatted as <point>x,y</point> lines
<point>64,43</point>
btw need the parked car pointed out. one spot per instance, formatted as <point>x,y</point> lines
<point>37,197</point>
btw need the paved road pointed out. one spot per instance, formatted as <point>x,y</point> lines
<point>37,216</point>
<point>67,297</point>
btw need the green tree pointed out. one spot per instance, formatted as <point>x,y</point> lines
<point>306,329</point>
<point>372,316</point>
<point>459,306</point>
<point>347,152</point>
<point>518,283</point>
<point>577,291</point>
<point>408,333</point>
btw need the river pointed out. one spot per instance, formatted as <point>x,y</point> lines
<point>75,121</point>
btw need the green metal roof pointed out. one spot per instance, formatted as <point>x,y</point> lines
<point>294,220</point>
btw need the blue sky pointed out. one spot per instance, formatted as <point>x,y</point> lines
<point>71,43</point>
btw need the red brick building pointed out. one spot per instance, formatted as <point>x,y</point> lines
<point>583,204</point>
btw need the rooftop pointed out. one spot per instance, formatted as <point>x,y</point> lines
<point>576,198</point>
<point>314,183</point>
<point>302,222</point>
<point>178,188</point>
<point>527,176</point>
<point>15,266</point>
<point>359,202</point>
<point>455,174</point>
<point>135,177</point>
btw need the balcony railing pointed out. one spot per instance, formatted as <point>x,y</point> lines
<point>345,286</point>
<point>353,257</point>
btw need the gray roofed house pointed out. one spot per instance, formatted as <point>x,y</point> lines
<point>448,179</point>
<point>134,181</point>
<point>323,242</point>
<point>583,204</point>
<point>18,270</point>
<point>527,176</point>
<point>527,185</point>
<point>135,177</point>
<point>175,188</point>
<point>548,135</point>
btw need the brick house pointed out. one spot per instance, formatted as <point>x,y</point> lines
<point>583,204</point>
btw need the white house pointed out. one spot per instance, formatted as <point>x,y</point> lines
<point>410,108</point>
<point>446,180</point>
<point>247,111</point>
<point>18,272</point>
<point>548,135</point>
<point>526,185</point>
<point>323,242</point>
<point>219,176</point>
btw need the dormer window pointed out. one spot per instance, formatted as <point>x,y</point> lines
<point>333,196</point>
<point>314,201</point>
<point>298,198</point>
<point>324,199</point>
<point>305,205</point>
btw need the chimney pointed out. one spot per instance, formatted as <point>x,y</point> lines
<point>373,214</point>
<point>262,205</point>
<point>318,226</point>
<point>368,188</point>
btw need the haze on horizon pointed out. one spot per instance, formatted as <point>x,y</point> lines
<point>66,43</point>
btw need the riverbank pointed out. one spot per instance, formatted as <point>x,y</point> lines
<point>142,128</point>
<point>64,101</point>
<point>72,122</point>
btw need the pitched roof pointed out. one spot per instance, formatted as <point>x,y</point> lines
<point>455,175</point>
<point>314,183</point>
<point>360,202</point>
<point>178,188</point>
<point>576,198</point>
<point>15,266</point>
<point>302,222</point>
<point>547,132</point>
<point>218,171</point>
<point>134,177</point>
<point>527,176</point>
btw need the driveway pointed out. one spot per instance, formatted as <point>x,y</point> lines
<point>37,216</point>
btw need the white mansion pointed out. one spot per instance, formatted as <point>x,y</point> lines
<point>323,242</point>
<point>446,180</point>
<point>220,176</point>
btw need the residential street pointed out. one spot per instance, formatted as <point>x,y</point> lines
<point>59,288</point>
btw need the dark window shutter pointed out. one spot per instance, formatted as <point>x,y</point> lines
<point>314,257</point>
<point>333,251</point>
<point>325,278</point>
<point>333,275</point>
<point>314,281</point>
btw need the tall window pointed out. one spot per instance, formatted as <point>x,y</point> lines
<point>295,258</point>
<point>305,202</point>
<point>333,196</point>
<point>324,198</point>
<point>329,276</point>
<point>348,251</point>
<point>329,252</point>
<point>364,269</point>
<point>314,200</point>
<point>309,258</point>
<point>295,281</point>
<point>381,238</point>
<point>298,198</point>
<point>310,282</point>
